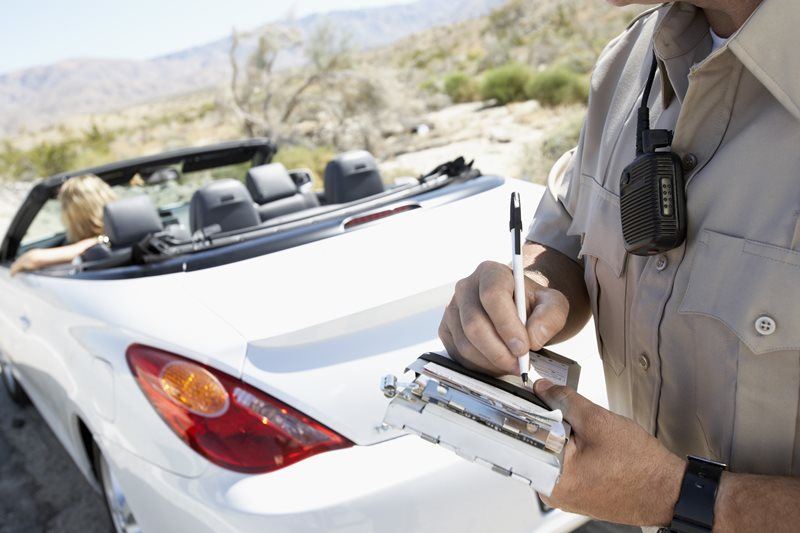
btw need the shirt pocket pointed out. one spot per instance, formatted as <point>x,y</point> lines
<point>748,398</point>
<point>597,221</point>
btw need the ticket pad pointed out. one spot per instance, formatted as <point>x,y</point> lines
<point>496,423</point>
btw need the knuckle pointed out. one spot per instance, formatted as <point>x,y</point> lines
<point>473,325</point>
<point>461,286</point>
<point>490,294</point>
<point>487,266</point>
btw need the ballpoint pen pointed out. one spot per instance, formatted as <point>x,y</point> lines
<point>515,225</point>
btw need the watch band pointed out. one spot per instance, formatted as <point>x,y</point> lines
<point>694,512</point>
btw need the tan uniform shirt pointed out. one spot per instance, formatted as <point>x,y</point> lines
<point>701,346</point>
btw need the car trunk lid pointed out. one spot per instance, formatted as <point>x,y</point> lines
<point>325,321</point>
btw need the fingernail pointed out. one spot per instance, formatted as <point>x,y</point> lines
<point>542,385</point>
<point>517,347</point>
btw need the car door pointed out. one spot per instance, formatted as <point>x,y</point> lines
<point>29,328</point>
<point>13,322</point>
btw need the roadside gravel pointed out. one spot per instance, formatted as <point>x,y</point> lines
<point>41,490</point>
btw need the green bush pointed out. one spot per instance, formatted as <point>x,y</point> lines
<point>429,86</point>
<point>51,158</point>
<point>557,86</point>
<point>461,88</point>
<point>506,83</point>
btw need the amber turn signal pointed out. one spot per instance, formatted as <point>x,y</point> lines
<point>194,388</point>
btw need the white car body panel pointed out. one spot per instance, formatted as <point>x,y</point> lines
<point>316,326</point>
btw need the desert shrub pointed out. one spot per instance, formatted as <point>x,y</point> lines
<point>298,156</point>
<point>44,159</point>
<point>429,86</point>
<point>49,158</point>
<point>536,159</point>
<point>461,87</point>
<point>11,161</point>
<point>557,86</point>
<point>506,83</point>
<point>563,139</point>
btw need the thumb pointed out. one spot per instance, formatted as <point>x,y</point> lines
<point>571,404</point>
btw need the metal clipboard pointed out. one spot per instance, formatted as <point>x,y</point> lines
<point>492,422</point>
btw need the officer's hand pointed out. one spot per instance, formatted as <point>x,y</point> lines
<point>613,470</point>
<point>481,329</point>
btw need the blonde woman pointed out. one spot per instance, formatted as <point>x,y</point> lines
<point>82,200</point>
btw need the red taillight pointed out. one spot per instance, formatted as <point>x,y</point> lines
<point>228,422</point>
<point>372,217</point>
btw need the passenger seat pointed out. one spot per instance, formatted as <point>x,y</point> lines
<point>352,176</point>
<point>276,193</point>
<point>224,205</point>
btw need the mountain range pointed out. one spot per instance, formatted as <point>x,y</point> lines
<point>41,96</point>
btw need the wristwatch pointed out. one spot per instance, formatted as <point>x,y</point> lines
<point>694,512</point>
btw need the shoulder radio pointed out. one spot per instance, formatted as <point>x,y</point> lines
<point>652,194</point>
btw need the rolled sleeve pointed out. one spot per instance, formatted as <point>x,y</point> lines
<point>553,219</point>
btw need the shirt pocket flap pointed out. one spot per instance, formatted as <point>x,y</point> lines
<point>750,287</point>
<point>597,221</point>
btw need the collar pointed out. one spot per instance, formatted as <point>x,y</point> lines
<point>681,38</point>
<point>762,45</point>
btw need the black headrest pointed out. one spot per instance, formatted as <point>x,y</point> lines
<point>352,176</point>
<point>129,220</point>
<point>268,183</point>
<point>225,203</point>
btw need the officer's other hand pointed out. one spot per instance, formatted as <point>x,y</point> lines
<point>481,329</point>
<point>613,469</point>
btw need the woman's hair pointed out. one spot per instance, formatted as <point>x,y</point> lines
<point>82,200</point>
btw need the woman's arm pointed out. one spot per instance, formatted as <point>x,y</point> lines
<point>45,257</point>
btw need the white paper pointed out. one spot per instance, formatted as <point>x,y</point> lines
<point>550,369</point>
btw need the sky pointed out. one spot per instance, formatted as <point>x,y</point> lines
<point>39,32</point>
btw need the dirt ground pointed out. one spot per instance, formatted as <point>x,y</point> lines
<point>41,490</point>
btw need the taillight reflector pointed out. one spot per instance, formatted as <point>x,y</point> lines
<point>225,420</point>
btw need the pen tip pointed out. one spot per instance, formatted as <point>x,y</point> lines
<point>525,378</point>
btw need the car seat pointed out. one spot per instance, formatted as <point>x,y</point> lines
<point>352,176</point>
<point>129,220</point>
<point>276,193</point>
<point>224,205</point>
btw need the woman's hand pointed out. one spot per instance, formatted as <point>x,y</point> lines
<point>39,258</point>
<point>26,262</point>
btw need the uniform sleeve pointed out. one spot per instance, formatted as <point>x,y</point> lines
<point>553,216</point>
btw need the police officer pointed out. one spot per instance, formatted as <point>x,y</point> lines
<point>701,343</point>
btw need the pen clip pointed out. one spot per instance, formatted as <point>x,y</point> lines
<point>515,222</point>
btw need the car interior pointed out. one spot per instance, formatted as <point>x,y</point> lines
<point>267,197</point>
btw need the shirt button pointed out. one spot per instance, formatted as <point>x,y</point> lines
<point>765,325</point>
<point>662,263</point>
<point>689,162</point>
<point>644,362</point>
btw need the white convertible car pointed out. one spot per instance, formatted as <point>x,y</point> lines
<point>216,368</point>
